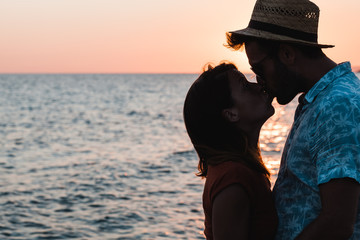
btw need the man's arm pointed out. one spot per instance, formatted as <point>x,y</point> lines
<point>339,199</point>
<point>230,214</point>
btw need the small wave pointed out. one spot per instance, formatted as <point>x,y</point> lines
<point>29,224</point>
<point>181,153</point>
<point>7,166</point>
<point>160,116</point>
<point>96,205</point>
<point>162,192</point>
<point>136,113</point>
<point>64,210</point>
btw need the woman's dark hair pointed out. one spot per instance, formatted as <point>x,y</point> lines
<point>214,138</point>
<point>237,42</point>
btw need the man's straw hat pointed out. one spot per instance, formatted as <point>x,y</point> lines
<point>294,21</point>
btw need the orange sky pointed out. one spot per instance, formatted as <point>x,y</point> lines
<point>144,36</point>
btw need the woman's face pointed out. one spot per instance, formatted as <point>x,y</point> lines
<point>251,103</point>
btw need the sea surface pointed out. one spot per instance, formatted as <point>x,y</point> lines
<point>105,157</point>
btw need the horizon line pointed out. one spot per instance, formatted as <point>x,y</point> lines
<point>85,73</point>
<point>102,73</point>
<point>355,69</point>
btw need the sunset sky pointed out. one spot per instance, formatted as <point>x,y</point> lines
<point>145,36</point>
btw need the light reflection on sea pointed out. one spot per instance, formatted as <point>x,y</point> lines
<point>104,157</point>
<point>273,136</point>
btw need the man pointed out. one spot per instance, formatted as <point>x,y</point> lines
<point>317,190</point>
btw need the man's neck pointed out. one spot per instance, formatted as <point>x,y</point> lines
<point>315,69</point>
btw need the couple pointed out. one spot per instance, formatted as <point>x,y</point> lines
<point>316,195</point>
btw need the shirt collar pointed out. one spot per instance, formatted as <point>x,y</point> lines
<point>329,77</point>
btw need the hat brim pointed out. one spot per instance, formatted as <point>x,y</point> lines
<point>260,34</point>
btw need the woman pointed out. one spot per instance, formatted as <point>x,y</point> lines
<point>223,114</point>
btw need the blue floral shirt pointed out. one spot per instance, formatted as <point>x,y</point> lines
<point>323,144</point>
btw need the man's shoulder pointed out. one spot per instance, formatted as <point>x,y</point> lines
<point>349,82</point>
<point>344,90</point>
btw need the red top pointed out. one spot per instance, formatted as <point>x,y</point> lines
<point>263,217</point>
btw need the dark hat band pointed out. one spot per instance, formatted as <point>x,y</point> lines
<point>284,31</point>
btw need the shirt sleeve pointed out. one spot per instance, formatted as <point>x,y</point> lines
<point>336,146</point>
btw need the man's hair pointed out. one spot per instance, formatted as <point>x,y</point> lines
<point>237,42</point>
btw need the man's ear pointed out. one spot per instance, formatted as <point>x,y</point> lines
<point>230,115</point>
<point>286,54</point>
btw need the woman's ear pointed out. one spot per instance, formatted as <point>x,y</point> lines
<point>286,54</point>
<point>230,114</point>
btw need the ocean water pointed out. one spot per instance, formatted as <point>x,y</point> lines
<point>105,157</point>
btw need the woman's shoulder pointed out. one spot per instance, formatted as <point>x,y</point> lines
<point>231,168</point>
<point>227,173</point>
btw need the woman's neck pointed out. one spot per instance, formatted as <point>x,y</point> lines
<point>253,138</point>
